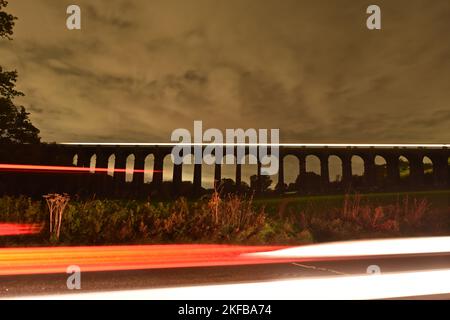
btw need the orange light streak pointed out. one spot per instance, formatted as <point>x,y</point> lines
<point>66,169</point>
<point>17,261</point>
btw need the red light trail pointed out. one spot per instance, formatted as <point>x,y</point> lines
<point>65,169</point>
<point>14,229</point>
<point>17,261</point>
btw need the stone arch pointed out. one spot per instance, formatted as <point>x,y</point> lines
<point>248,169</point>
<point>312,180</point>
<point>92,163</point>
<point>129,168</point>
<point>404,167</point>
<point>75,160</point>
<point>111,165</point>
<point>208,173</point>
<point>228,168</point>
<point>188,168</point>
<point>448,171</point>
<point>149,163</point>
<point>381,172</point>
<point>428,170</point>
<point>357,166</point>
<point>291,169</point>
<point>313,164</point>
<point>335,168</point>
<point>167,173</point>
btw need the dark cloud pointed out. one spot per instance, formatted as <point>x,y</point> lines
<point>139,69</point>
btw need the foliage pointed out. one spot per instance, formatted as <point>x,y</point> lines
<point>6,21</point>
<point>226,219</point>
<point>7,84</point>
<point>359,219</point>
<point>15,125</point>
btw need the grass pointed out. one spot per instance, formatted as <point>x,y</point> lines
<point>439,198</point>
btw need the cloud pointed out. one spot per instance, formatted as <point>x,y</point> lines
<point>139,69</point>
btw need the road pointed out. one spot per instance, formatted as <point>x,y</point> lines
<point>37,284</point>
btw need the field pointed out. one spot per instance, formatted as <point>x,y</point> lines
<point>439,199</point>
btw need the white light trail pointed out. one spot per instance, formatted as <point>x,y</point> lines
<point>381,286</point>
<point>363,248</point>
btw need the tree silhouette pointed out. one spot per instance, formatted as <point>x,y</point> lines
<point>265,182</point>
<point>6,21</point>
<point>15,126</point>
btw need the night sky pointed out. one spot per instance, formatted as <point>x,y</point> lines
<point>139,69</point>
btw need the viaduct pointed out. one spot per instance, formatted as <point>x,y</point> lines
<point>81,155</point>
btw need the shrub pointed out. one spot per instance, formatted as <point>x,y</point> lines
<point>357,219</point>
<point>225,219</point>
